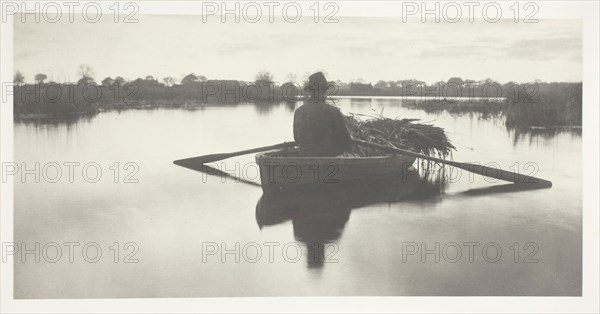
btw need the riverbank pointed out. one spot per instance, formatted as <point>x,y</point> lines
<point>545,105</point>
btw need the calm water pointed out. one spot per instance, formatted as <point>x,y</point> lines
<point>176,216</point>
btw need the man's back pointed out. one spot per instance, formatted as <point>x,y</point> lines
<point>320,130</point>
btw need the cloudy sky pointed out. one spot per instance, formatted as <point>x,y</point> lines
<point>357,47</point>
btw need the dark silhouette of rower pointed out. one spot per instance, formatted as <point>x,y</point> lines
<point>319,128</point>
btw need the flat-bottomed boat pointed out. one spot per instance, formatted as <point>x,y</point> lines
<point>285,170</point>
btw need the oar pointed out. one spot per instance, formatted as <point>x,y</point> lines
<point>216,157</point>
<point>477,169</point>
<point>219,173</point>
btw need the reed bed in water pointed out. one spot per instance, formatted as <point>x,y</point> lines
<point>400,133</point>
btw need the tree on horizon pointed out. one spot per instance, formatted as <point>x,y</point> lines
<point>456,80</point>
<point>189,79</point>
<point>40,78</point>
<point>263,77</point>
<point>108,81</point>
<point>86,73</point>
<point>18,78</point>
<point>119,80</point>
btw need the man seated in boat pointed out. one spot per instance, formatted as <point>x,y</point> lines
<point>319,128</point>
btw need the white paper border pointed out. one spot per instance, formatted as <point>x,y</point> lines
<point>587,11</point>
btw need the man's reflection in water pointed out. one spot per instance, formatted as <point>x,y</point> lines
<point>316,220</point>
<point>319,216</point>
<point>317,231</point>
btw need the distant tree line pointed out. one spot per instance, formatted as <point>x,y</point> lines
<point>535,103</point>
<point>87,96</point>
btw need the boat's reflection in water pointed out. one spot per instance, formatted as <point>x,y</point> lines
<point>319,216</point>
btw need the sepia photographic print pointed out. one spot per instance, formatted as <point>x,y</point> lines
<point>385,156</point>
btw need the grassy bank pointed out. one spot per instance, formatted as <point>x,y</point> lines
<point>541,105</point>
<point>546,104</point>
<point>484,107</point>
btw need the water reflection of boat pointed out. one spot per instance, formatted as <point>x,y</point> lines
<point>319,216</point>
<point>284,170</point>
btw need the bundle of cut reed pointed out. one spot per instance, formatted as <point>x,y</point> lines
<point>400,133</point>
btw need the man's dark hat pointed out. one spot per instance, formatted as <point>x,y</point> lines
<point>317,80</point>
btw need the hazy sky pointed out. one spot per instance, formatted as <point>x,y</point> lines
<point>367,48</point>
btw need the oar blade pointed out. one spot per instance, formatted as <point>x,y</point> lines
<point>216,157</point>
<point>203,159</point>
<point>504,175</point>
